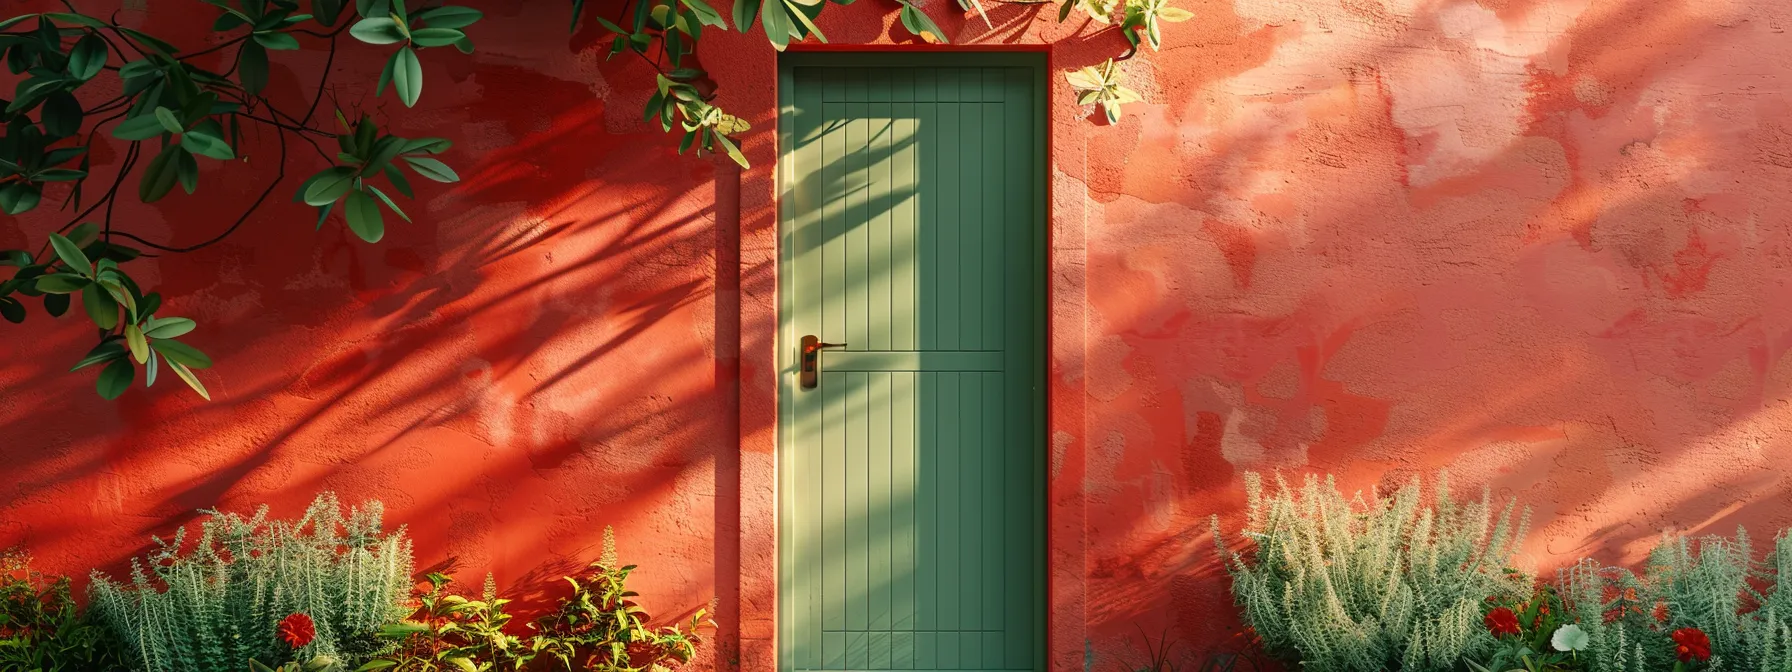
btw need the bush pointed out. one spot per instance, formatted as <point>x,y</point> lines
<point>215,607</point>
<point>1371,584</point>
<point>41,628</point>
<point>1711,585</point>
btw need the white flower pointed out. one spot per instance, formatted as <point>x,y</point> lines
<point>1570,638</point>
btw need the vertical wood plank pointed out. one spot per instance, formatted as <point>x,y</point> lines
<point>903,257</point>
<point>927,208</point>
<point>802,591</point>
<point>947,216</point>
<point>858,650</point>
<point>951,505</point>
<point>880,217</point>
<point>970,210</point>
<point>858,212</point>
<point>858,503</point>
<point>880,470</point>
<point>834,581</point>
<point>903,491</point>
<point>927,497</point>
<point>970,507</point>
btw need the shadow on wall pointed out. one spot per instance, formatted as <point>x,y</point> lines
<point>1336,262</point>
<point>533,360</point>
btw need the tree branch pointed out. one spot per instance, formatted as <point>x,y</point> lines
<point>280,175</point>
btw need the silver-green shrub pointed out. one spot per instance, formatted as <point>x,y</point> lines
<point>1366,584</point>
<point>214,607</point>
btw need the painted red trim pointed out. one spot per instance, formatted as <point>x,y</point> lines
<point>1051,593</point>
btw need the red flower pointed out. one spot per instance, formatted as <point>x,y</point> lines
<point>1690,644</point>
<point>296,630</point>
<point>1502,622</point>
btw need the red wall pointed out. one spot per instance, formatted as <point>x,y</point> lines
<point>1542,243</point>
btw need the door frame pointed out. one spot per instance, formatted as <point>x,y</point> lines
<point>784,340</point>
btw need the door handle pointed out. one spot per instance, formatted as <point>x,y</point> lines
<point>810,371</point>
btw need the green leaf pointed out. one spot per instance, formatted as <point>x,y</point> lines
<point>377,30</point>
<point>133,337</point>
<point>169,327</point>
<point>150,41</point>
<point>733,151</point>
<point>77,19</point>
<point>62,115</point>
<point>71,255</point>
<point>436,37</point>
<point>330,185</point>
<point>63,154</point>
<point>84,233</point>
<point>207,139</point>
<point>797,11</point>
<point>115,379</point>
<point>20,258</point>
<point>399,181</point>
<point>277,41</point>
<point>58,175</point>
<point>139,128</point>
<point>326,11</point>
<point>432,169</point>
<point>388,201</point>
<point>386,75</point>
<point>229,20</point>
<point>252,67</point>
<point>61,283</point>
<point>161,174</point>
<point>426,145</point>
<point>364,217</point>
<point>449,17</point>
<point>187,171</point>
<point>149,369</point>
<point>407,76</point>
<point>778,27</point>
<point>12,310</point>
<point>169,122</point>
<point>87,58</point>
<point>56,304</point>
<point>100,306</point>
<point>923,27</point>
<point>8,23</point>
<point>377,664</point>
<point>745,12</point>
<point>182,353</point>
<point>186,376</point>
<point>100,354</point>
<point>19,197</point>
<point>706,14</point>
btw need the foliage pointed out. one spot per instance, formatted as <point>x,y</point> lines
<point>450,632</point>
<point>1535,634</point>
<point>317,664</point>
<point>1372,583</point>
<point>178,114</point>
<point>1712,585</point>
<point>601,627</point>
<point>41,627</point>
<point>598,626</point>
<point>1102,85</point>
<point>218,604</point>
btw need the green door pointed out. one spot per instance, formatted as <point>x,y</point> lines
<point>912,472</point>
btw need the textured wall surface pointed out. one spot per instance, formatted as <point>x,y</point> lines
<point>1545,244</point>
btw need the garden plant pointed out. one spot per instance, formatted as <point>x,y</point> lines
<point>332,591</point>
<point>1425,584</point>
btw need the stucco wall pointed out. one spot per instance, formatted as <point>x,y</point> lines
<point>1543,243</point>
